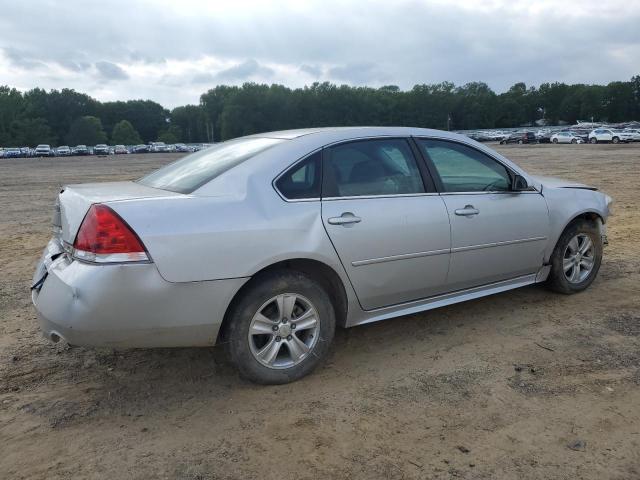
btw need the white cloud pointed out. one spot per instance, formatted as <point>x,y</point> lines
<point>171,52</point>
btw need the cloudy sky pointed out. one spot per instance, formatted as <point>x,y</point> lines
<point>172,51</point>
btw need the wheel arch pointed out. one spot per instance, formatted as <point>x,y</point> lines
<point>590,215</point>
<point>325,275</point>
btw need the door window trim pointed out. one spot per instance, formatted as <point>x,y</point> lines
<point>438,181</point>
<point>428,182</point>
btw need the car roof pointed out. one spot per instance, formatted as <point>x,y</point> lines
<point>345,133</point>
<point>297,144</point>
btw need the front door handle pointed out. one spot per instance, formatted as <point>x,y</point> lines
<point>467,211</point>
<point>346,218</point>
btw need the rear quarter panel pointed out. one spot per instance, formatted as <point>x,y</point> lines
<point>209,238</point>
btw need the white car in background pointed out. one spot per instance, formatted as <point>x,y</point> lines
<point>634,132</point>
<point>566,137</point>
<point>609,135</point>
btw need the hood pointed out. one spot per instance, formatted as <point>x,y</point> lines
<point>552,182</point>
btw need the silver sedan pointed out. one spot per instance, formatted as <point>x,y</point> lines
<point>266,243</point>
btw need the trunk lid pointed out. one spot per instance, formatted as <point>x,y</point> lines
<point>74,201</point>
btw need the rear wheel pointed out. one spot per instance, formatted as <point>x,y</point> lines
<point>576,258</point>
<point>281,328</point>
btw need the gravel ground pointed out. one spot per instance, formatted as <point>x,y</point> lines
<point>526,384</point>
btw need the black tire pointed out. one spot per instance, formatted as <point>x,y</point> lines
<point>615,140</point>
<point>261,290</point>
<point>593,140</point>
<point>555,140</point>
<point>557,280</point>
<point>574,141</point>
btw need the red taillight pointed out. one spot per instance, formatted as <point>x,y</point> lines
<point>104,236</point>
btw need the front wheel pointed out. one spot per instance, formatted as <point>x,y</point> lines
<point>281,328</point>
<point>615,140</point>
<point>574,141</point>
<point>593,140</point>
<point>576,258</point>
<point>555,140</point>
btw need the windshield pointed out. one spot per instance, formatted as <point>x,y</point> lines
<point>193,171</point>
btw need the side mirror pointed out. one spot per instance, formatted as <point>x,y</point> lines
<point>519,184</point>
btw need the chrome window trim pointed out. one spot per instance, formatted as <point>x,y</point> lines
<point>493,192</point>
<point>390,195</point>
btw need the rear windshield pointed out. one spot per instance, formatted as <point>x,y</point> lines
<point>193,171</point>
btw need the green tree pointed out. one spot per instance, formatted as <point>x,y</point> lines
<point>29,132</point>
<point>192,120</point>
<point>86,131</point>
<point>173,134</point>
<point>124,134</point>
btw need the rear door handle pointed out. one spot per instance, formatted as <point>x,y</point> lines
<point>346,218</point>
<point>467,211</point>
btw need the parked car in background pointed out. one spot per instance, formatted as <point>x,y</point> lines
<point>44,150</point>
<point>141,149</point>
<point>609,135</point>
<point>12,153</point>
<point>583,134</point>
<point>101,149</point>
<point>634,133</point>
<point>26,151</point>
<point>120,150</point>
<point>520,137</point>
<point>566,137</point>
<point>182,148</point>
<point>63,151</point>
<point>80,150</point>
<point>544,137</point>
<point>158,147</point>
<point>264,243</point>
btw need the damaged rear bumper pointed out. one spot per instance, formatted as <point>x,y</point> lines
<point>125,305</point>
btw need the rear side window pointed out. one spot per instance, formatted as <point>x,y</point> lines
<point>371,167</point>
<point>193,171</point>
<point>303,179</point>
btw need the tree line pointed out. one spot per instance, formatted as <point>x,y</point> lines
<point>69,117</point>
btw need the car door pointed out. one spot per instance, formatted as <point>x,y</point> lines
<point>604,135</point>
<point>496,233</point>
<point>388,225</point>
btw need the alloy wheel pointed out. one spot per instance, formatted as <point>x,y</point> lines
<point>283,331</point>
<point>578,259</point>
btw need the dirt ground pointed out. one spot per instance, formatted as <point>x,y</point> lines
<point>526,384</point>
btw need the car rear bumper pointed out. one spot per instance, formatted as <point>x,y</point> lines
<point>125,305</point>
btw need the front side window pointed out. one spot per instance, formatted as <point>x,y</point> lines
<point>465,169</point>
<point>303,179</point>
<point>193,171</point>
<point>371,167</point>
